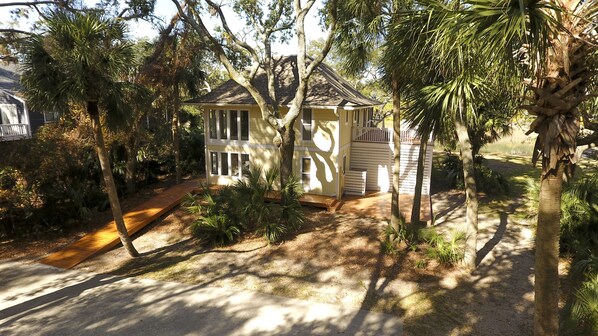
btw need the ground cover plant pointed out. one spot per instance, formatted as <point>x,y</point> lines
<point>246,206</point>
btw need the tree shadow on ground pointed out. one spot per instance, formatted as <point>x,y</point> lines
<point>97,304</point>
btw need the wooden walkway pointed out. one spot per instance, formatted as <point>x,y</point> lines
<point>107,237</point>
<point>319,201</point>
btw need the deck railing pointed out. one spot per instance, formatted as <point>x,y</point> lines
<point>372,134</point>
<point>13,131</point>
<point>382,135</point>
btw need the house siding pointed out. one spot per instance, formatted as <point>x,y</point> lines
<point>322,149</point>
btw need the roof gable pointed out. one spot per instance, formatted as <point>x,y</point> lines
<point>326,88</point>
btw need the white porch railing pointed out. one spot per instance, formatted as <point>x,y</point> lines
<point>382,135</point>
<point>14,131</point>
<point>372,134</point>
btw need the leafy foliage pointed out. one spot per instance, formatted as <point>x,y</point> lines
<point>446,252</point>
<point>579,214</point>
<point>488,180</point>
<point>49,181</point>
<point>245,206</point>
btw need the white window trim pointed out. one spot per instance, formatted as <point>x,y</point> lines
<point>230,166</point>
<point>311,124</point>
<point>311,169</point>
<point>218,139</point>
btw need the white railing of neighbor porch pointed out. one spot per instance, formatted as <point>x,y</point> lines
<point>13,131</point>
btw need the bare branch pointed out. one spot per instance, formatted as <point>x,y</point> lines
<point>233,37</point>
<point>33,3</point>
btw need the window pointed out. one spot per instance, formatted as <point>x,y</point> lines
<point>244,163</point>
<point>50,117</point>
<point>222,161</point>
<point>306,172</point>
<point>224,164</point>
<point>306,125</point>
<point>234,125</point>
<point>9,114</point>
<point>234,164</point>
<point>344,164</point>
<point>212,121</point>
<point>223,125</point>
<point>356,117</point>
<point>245,125</point>
<point>214,161</point>
<point>346,117</point>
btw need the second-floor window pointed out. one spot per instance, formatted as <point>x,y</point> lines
<point>306,125</point>
<point>228,124</point>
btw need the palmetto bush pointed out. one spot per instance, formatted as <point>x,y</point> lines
<point>448,252</point>
<point>579,214</point>
<point>244,207</point>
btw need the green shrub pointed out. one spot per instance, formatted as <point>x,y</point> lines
<point>487,180</point>
<point>579,214</point>
<point>217,229</point>
<point>48,183</point>
<point>446,252</point>
<point>243,207</point>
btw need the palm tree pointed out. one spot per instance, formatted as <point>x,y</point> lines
<point>77,62</point>
<point>443,87</point>
<point>362,34</point>
<point>177,72</point>
<point>555,45</point>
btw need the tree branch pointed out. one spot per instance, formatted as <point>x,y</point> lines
<point>233,37</point>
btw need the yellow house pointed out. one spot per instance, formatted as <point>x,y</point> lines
<point>339,148</point>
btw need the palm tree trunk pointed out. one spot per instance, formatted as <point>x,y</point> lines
<point>131,171</point>
<point>471,197</point>
<point>92,110</point>
<point>547,254</point>
<point>176,134</point>
<point>395,209</point>
<point>419,182</point>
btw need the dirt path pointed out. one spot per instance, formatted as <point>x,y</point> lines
<point>337,259</point>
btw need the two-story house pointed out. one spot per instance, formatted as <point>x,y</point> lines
<point>339,148</point>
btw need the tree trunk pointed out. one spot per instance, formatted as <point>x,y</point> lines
<point>286,148</point>
<point>131,169</point>
<point>395,210</point>
<point>471,197</point>
<point>92,110</point>
<point>547,254</point>
<point>176,134</point>
<point>419,182</point>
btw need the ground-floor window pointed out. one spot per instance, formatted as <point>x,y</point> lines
<point>214,161</point>
<point>306,172</point>
<point>227,163</point>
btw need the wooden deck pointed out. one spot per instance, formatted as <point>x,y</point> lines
<point>319,201</point>
<point>107,237</point>
<point>377,205</point>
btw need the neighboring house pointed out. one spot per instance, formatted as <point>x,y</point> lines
<point>16,121</point>
<point>339,148</point>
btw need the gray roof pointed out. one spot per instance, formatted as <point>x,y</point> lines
<point>9,78</point>
<point>326,88</point>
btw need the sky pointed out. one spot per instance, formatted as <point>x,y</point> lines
<point>165,9</point>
